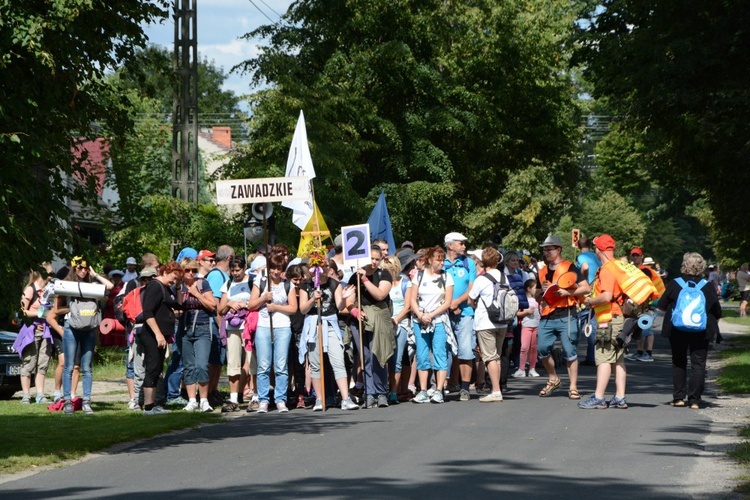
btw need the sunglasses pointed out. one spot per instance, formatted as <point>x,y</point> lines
<point>78,268</point>
<point>191,270</point>
<point>635,255</point>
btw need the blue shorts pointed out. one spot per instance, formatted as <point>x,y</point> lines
<point>463,329</point>
<point>565,329</point>
<point>218,354</point>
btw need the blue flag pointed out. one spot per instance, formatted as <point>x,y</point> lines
<point>380,223</point>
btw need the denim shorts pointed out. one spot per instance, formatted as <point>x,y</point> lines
<point>564,328</point>
<point>463,328</point>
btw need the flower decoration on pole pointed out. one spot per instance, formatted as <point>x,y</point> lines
<point>317,258</point>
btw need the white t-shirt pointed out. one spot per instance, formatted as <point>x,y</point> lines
<point>482,292</point>
<point>532,321</point>
<point>280,320</point>
<point>237,291</point>
<point>431,292</point>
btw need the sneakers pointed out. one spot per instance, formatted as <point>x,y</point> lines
<point>645,358</point>
<point>593,403</point>
<point>68,408</point>
<point>156,410</point>
<point>371,402</point>
<point>263,407</point>
<point>26,400</point>
<point>86,407</point>
<point>393,398</point>
<point>437,397</point>
<point>519,374</point>
<point>348,404</point>
<point>254,404</point>
<point>382,401</point>
<point>533,373</point>
<point>178,401</point>
<point>132,404</point>
<point>493,397</point>
<point>431,391</point>
<point>281,407</point>
<point>192,406</point>
<point>634,357</point>
<point>43,400</point>
<point>463,395</point>
<point>229,407</point>
<point>616,402</point>
<point>483,390</point>
<point>56,397</point>
<point>206,406</point>
<point>318,405</point>
<point>421,397</point>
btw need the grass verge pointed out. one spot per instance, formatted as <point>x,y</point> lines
<point>735,379</point>
<point>37,437</point>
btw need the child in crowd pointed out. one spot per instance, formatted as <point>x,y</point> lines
<point>529,327</point>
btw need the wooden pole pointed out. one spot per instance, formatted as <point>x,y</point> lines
<point>321,354</point>
<point>361,338</point>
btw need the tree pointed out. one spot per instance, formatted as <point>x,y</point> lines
<point>678,72</point>
<point>53,57</point>
<point>150,75</point>
<point>432,100</point>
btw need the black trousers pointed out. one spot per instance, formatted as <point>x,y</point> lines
<point>683,343</point>
<point>153,357</point>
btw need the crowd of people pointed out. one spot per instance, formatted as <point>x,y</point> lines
<point>414,325</point>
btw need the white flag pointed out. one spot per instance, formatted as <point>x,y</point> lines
<point>299,164</point>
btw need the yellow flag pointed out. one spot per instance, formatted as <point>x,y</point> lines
<point>315,226</point>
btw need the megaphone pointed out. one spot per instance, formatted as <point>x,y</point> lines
<point>645,321</point>
<point>262,210</point>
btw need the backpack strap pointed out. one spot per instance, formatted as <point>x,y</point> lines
<point>680,282</point>
<point>701,284</point>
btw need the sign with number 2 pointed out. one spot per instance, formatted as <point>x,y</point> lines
<point>356,243</point>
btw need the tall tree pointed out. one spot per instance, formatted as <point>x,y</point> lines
<point>53,57</point>
<point>678,72</point>
<point>441,103</point>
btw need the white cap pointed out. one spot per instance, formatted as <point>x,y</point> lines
<point>131,262</point>
<point>258,263</point>
<point>455,237</point>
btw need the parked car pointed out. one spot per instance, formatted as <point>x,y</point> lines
<point>10,366</point>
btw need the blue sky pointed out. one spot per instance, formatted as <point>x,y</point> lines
<point>220,24</point>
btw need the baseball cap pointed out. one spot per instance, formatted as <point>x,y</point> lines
<point>131,261</point>
<point>147,272</point>
<point>115,272</point>
<point>455,237</point>
<point>407,244</point>
<point>187,253</point>
<point>604,242</point>
<point>636,251</point>
<point>203,254</point>
<point>258,263</point>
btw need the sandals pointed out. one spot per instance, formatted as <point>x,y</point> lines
<point>678,402</point>
<point>550,388</point>
<point>574,394</point>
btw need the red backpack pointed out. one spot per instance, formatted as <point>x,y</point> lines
<point>132,305</point>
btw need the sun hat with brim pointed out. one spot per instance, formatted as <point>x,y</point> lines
<point>648,261</point>
<point>406,257</point>
<point>115,272</point>
<point>552,241</point>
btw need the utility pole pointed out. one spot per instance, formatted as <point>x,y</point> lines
<point>185,108</point>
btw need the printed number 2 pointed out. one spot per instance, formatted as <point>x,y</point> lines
<point>358,247</point>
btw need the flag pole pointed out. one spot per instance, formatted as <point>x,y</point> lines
<point>317,243</point>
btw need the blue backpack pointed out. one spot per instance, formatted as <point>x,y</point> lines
<point>689,313</point>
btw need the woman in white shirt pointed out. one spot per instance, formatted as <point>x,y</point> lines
<point>235,297</point>
<point>490,336</point>
<point>273,296</point>
<point>429,307</point>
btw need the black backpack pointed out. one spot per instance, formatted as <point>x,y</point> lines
<point>504,306</point>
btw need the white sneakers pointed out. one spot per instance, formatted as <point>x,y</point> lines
<point>192,406</point>
<point>519,374</point>
<point>493,397</point>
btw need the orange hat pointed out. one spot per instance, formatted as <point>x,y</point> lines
<point>636,251</point>
<point>604,242</point>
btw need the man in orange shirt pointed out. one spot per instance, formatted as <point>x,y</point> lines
<point>608,356</point>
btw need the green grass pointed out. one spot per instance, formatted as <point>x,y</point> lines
<point>735,378</point>
<point>40,437</point>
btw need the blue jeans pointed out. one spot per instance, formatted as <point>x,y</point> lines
<point>173,377</point>
<point>195,345</point>
<point>463,328</point>
<point>71,340</point>
<point>564,328</point>
<point>274,352</point>
<point>435,341</point>
<point>375,374</point>
<point>398,355</point>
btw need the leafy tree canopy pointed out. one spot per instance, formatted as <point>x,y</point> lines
<point>53,58</point>
<point>678,72</point>
<point>441,103</point>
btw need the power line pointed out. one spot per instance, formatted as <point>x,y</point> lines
<point>264,14</point>
<point>264,3</point>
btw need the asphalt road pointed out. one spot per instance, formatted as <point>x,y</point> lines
<point>527,446</point>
